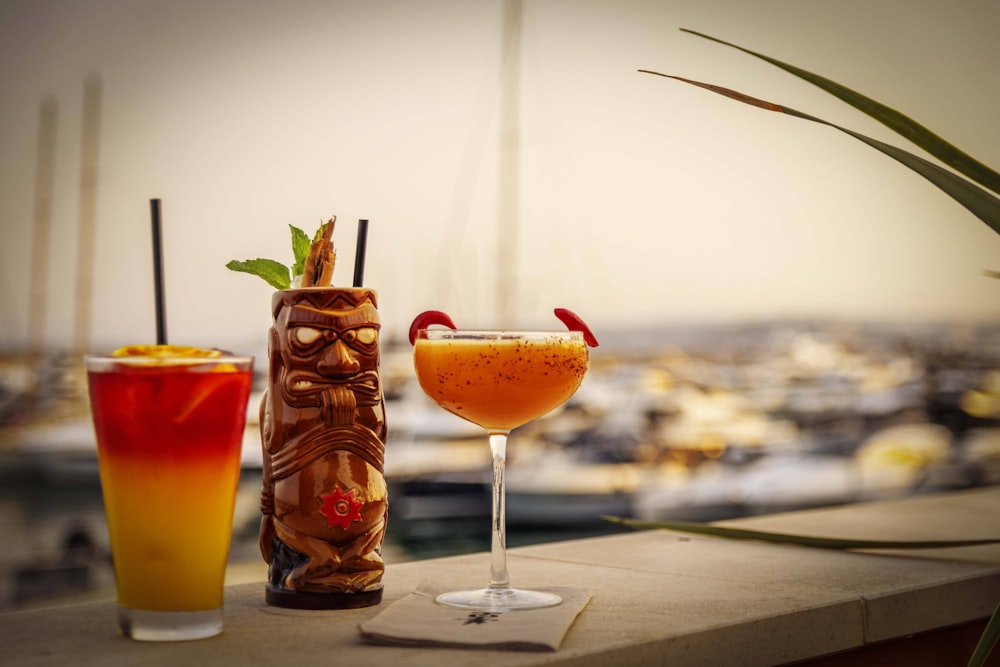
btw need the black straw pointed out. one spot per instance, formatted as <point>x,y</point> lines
<point>161,317</point>
<point>359,256</point>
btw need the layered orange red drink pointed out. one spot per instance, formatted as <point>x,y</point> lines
<point>169,423</point>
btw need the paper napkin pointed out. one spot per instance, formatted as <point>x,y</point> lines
<point>416,620</point>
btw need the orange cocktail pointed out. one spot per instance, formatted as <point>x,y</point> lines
<point>499,380</point>
<point>502,381</point>
<point>169,434</point>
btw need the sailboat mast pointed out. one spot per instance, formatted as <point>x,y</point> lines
<point>88,213</point>
<point>509,182</point>
<point>45,170</point>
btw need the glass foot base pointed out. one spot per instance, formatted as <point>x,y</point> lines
<point>498,599</point>
<point>169,626</point>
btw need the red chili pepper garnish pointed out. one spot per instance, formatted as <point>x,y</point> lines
<point>574,323</point>
<point>427,318</point>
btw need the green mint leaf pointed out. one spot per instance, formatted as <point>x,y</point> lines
<point>275,273</point>
<point>300,246</point>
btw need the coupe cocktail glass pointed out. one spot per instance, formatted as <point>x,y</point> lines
<point>499,380</point>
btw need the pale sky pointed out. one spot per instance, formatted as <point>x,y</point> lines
<point>634,199</point>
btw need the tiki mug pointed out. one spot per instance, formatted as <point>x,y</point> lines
<point>324,499</point>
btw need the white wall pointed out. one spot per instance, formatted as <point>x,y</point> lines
<point>640,199</point>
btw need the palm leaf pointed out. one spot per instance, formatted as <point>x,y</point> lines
<point>980,202</point>
<point>800,540</point>
<point>988,640</point>
<point>894,120</point>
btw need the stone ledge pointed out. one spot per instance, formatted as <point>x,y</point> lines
<point>659,598</point>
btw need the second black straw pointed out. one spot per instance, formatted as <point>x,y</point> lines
<point>359,255</point>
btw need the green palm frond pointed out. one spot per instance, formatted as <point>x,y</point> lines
<point>981,200</point>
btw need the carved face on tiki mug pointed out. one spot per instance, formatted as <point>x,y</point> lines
<point>323,431</point>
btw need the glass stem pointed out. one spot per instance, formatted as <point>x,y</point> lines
<point>498,550</point>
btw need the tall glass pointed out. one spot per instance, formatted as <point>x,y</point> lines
<point>499,380</point>
<point>169,435</point>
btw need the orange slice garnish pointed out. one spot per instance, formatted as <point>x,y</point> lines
<point>166,352</point>
<point>170,354</point>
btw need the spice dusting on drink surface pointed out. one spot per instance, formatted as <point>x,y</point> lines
<point>500,383</point>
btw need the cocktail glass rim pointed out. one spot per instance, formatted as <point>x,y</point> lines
<point>97,362</point>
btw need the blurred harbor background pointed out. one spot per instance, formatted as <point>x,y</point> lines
<point>693,423</point>
<point>788,319</point>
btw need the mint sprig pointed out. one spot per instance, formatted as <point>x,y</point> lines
<point>276,274</point>
<point>300,246</point>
